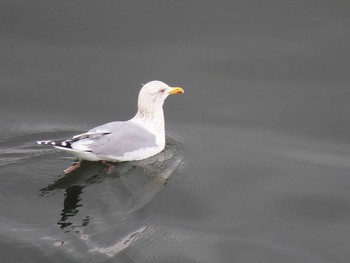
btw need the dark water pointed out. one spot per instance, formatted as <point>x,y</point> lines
<point>256,167</point>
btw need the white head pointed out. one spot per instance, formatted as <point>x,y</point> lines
<point>150,105</point>
<point>153,94</point>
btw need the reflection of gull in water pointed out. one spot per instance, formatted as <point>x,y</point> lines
<point>122,244</point>
<point>130,187</point>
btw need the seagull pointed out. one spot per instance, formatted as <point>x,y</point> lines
<point>136,139</point>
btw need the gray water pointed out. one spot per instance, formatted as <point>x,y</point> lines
<point>256,167</point>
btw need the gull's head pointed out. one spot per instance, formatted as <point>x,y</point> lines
<point>155,92</point>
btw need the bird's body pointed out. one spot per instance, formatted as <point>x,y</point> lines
<point>138,138</point>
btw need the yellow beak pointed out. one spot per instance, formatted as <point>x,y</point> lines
<point>176,90</point>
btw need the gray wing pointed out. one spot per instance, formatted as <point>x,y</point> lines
<point>115,139</point>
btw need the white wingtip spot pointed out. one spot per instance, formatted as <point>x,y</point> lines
<point>64,144</point>
<point>53,143</point>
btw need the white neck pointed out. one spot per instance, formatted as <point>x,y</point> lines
<point>153,117</point>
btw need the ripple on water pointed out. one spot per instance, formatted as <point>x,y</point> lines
<point>88,205</point>
<point>19,143</point>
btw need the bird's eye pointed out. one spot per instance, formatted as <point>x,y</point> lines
<point>162,90</point>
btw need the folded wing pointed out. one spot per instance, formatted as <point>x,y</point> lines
<point>115,140</point>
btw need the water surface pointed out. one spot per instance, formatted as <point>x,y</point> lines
<point>256,167</point>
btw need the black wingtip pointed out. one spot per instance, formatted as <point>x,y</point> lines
<point>65,144</point>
